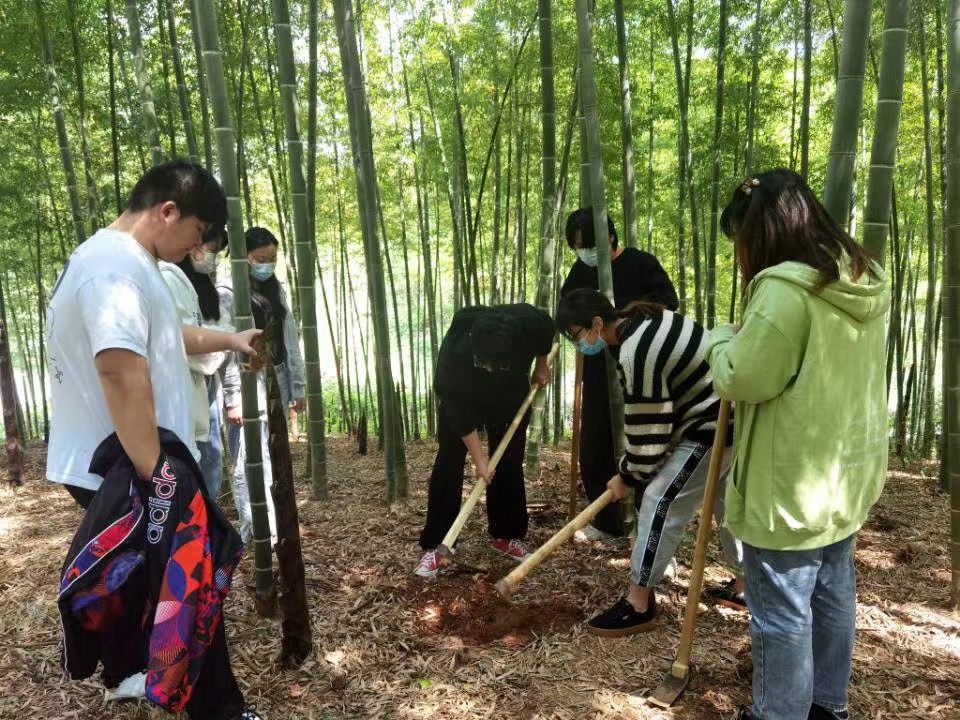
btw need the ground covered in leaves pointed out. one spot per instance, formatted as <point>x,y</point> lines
<point>389,645</point>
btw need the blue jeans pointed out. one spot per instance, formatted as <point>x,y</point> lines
<point>803,619</point>
<point>238,452</point>
<point>211,452</point>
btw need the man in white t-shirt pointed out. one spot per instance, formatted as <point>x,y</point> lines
<point>117,351</point>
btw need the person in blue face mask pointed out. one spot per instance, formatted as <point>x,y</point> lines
<point>637,275</point>
<point>670,416</point>
<point>268,300</point>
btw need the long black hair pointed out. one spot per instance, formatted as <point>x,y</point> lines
<point>258,237</point>
<point>206,290</point>
<point>774,217</point>
<point>579,307</point>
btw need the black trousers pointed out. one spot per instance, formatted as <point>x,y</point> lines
<point>506,496</point>
<point>215,696</point>
<point>597,462</point>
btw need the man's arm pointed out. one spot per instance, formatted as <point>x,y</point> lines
<point>200,340</point>
<point>475,448</point>
<point>125,377</point>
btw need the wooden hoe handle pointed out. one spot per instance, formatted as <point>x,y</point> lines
<point>454,532</point>
<point>507,584</point>
<point>681,665</point>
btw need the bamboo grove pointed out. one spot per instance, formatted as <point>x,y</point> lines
<point>416,156</point>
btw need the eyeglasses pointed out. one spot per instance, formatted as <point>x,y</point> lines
<point>579,334</point>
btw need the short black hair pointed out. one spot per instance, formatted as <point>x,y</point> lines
<point>191,187</point>
<point>579,307</point>
<point>582,220</point>
<point>493,337</point>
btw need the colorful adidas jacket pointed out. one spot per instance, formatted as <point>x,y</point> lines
<point>161,550</point>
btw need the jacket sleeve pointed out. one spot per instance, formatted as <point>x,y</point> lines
<point>231,367</point>
<point>757,362</point>
<point>188,308</point>
<point>291,340</point>
<point>570,284</point>
<point>658,286</point>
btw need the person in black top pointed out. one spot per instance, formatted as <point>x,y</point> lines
<point>637,275</point>
<point>482,379</point>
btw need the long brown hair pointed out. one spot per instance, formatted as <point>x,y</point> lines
<point>774,217</point>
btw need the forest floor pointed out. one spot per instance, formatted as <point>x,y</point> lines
<point>390,645</point>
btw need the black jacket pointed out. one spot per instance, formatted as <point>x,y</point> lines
<point>469,397</point>
<point>637,275</point>
<point>161,550</point>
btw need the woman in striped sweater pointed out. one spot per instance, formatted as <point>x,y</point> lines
<point>670,416</point>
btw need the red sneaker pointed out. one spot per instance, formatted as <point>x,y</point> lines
<point>429,565</point>
<point>514,549</point>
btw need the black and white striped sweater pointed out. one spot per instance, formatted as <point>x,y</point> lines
<point>667,390</point>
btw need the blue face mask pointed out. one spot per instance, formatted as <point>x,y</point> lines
<point>585,347</point>
<point>262,271</point>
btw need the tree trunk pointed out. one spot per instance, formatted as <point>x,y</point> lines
<point>56,98</point>
<point>296,636</point>
<point>808,79</point>
<point>849,102</point>
<point>597,200</point>
<point>715,181</point>
<point>8,398</point>
<point>114,135</point>
<point>883,155</point>
<point>213,69</point>
<point>306,292</point>
<point>545,292</point>
<point>182,97</point>
<point>681,162</point>
<point>951,310</point>
<point>366,179</point>
<point>143,83</point>
<point>93,205</point>
<point>165,72</point>
<point>202,84</point>
<point>626,130</point>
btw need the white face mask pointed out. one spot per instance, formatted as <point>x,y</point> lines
<point>207,265</point>
<point>588,256</point>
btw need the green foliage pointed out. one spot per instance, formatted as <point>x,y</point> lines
<point>483,36</point>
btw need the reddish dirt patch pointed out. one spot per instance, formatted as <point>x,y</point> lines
<point>477,615</point>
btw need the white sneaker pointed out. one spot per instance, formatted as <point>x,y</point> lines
<point>589,533</point>
<point>131,688</point>
<point>429,565</point>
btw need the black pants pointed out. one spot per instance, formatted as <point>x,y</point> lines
<point>215,696</point>
<point>597,462</point>
<point>506,496</point>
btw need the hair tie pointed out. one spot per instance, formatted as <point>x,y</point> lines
<point>749,184</point>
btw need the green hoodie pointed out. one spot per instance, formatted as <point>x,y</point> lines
<point>806,371</point>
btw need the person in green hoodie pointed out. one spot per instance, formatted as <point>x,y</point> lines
<point>806,371</point>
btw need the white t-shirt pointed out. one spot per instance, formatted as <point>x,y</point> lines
<point>201,366</point>
<point>110,295</point>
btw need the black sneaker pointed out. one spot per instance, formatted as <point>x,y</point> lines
<point>622,619</point>
<point>727,595</point>
<point>818,712</point>
<point>744,714</point>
